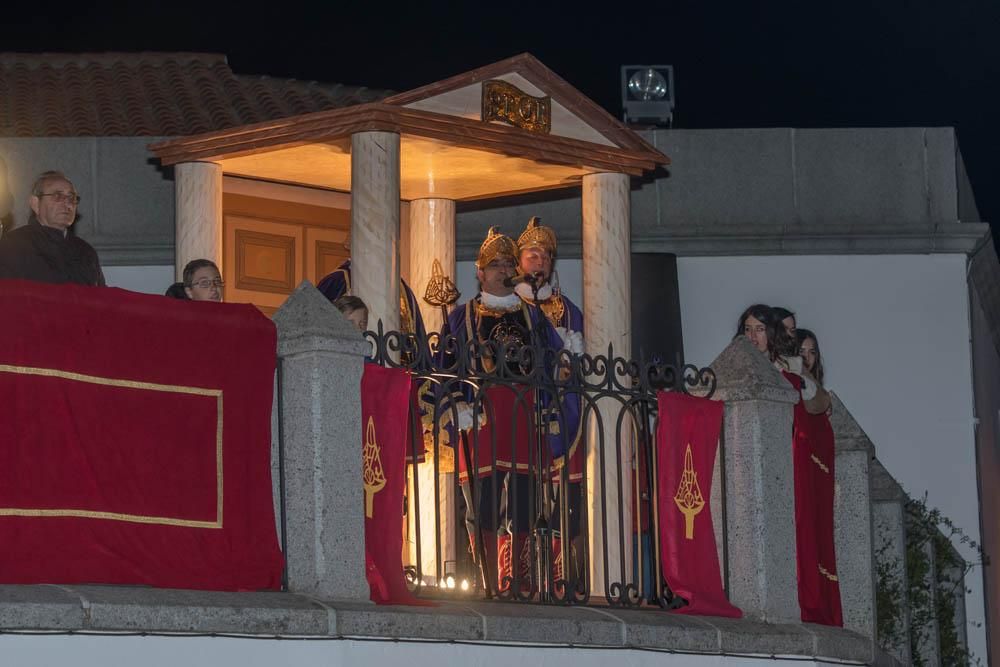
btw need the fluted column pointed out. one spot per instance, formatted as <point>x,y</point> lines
<point>607,316</point>
<point>432,237</point>
<point>198,200</point>
<point>375,225</point>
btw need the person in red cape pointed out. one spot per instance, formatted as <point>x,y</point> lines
<point>813,459</point>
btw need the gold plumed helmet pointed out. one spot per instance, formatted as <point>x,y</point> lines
<point>496,245</point>
<point>537,235</point>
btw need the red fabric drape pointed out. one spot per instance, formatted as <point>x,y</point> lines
<point>687,439</point>
<point>385,403</point>
<point>509,415</point>
<point>816,562</point>
<point>135,440</point>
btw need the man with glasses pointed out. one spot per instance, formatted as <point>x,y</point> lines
<point>45,249</point>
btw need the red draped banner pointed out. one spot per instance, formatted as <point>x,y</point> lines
<point>135,440</point>
<point>687,440</point>
<point>813,456</point>
<point>385,404</point>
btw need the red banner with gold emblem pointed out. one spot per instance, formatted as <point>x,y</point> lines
<point>687,440</point>
<point>385,404</point>
<point>813,456</point>
<point>135,440</point>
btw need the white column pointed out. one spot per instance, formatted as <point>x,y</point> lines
<point>198,204</point>
<point>607,315</point>
<point>432,237</point>
<point>375,225</point>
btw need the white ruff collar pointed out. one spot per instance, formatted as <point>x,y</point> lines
<point>523,290</point>
<point>507,303</point>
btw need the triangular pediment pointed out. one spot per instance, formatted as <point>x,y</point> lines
<point>573,114</point>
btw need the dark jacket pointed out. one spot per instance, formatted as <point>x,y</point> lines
<point>45,254</point>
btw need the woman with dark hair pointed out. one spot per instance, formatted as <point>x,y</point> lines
<point>787,318</point>
<point>813,460</point>
<point>762,326</point>
<point>812,361</point>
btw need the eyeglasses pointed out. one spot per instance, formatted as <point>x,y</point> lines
<point>62,197</point>
<point>206,283</point>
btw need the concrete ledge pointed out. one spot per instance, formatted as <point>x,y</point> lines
<point>113,609</point>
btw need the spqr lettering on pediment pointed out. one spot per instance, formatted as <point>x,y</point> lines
<point>509,104</point>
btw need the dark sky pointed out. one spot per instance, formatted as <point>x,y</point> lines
<point>737,64</point>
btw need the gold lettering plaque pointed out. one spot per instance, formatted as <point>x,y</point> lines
<point>509,104</point>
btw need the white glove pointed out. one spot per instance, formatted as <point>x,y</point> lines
<point>572,340</point>
<point>464,411</point>
<point>809,388</point>
<point>575,342</point>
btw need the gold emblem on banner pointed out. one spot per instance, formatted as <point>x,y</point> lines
<point>689,499</point>
<point>826,573</point>
<point>374,476</point>
<point>511,105</point>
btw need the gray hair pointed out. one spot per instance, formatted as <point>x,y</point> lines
<point>45,176</point>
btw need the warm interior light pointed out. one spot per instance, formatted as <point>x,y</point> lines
<point>465,584</point>
<point>450,581</point>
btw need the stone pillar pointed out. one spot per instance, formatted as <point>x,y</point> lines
<point>760,493</point>
<point>198,201</point>
<point>926,631</point>
<point>375,225</point>
<point>954,573</point>
<point>852,521</point>
<point>607,314</point>
<point>889,519</point>
<point>432,237</point>
<point>321,357</point>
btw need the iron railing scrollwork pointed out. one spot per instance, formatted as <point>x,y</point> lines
<point>520,444</point>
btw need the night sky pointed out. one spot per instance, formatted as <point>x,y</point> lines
<point>737,64</point>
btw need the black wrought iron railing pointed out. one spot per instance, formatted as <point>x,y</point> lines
<point>532,471</point>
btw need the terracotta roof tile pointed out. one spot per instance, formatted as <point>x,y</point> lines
<point>149,94</point>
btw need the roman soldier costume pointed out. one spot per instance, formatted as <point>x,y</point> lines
<point>503,452</point>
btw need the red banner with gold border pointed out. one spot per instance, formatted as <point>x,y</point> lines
<point>135,444</point>
<point>687,440</point>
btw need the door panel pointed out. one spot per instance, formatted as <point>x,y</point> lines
<point>262,260</point>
